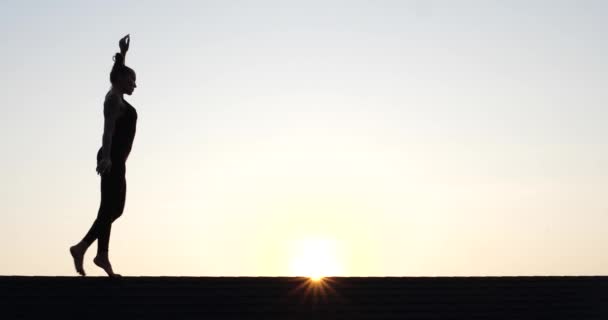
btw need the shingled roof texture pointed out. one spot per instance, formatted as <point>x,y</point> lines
<point>300,298</point>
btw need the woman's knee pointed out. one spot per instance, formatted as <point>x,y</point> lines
<point>116,215</point>
<point>105,217</point>
<point>109,213</point>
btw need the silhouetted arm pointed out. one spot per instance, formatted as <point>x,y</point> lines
<point>124,45</point>
<point>111,111</point>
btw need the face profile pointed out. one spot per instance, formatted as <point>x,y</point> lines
<point>128,84</point>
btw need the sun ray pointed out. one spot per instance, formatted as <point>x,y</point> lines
<point>314,292</point>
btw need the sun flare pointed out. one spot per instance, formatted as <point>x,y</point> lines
<point>316,257</point>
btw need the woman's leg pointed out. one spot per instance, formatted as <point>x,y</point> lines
<point>122,196</point>
<point>113,188</point>
<point>119,189</point>
<point>116,188</point>
<point>102,225</point>
<point>110,198</point>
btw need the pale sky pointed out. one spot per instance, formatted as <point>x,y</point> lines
<point>365,138</point>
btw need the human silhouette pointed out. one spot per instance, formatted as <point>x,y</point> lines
<point>120,119</point>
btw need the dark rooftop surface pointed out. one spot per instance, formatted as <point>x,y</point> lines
<point>550,297</point>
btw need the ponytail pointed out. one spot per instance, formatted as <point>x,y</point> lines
<point>119,60</point>
<point>119,69</point>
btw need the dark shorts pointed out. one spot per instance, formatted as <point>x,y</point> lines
<point>113,188</point>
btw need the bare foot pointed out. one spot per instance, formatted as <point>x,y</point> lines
<point>104,263</point>
<point>78,254</point>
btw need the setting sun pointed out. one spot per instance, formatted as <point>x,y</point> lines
<point>316,257</point>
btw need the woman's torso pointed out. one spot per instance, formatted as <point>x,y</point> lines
<point>124,134</point>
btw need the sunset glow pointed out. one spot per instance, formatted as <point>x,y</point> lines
<point>316,257</point>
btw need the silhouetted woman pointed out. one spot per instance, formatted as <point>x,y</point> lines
<point>120,120</point>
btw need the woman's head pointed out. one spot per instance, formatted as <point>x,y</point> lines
<point>121,76</point>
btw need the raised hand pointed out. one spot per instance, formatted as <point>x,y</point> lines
<point>124,44</point>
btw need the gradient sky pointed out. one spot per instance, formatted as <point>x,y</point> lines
<point>421,138</point>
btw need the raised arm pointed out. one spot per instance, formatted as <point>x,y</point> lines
<point>124,45</point>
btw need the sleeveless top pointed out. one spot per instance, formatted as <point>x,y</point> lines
<point>124,133</point>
